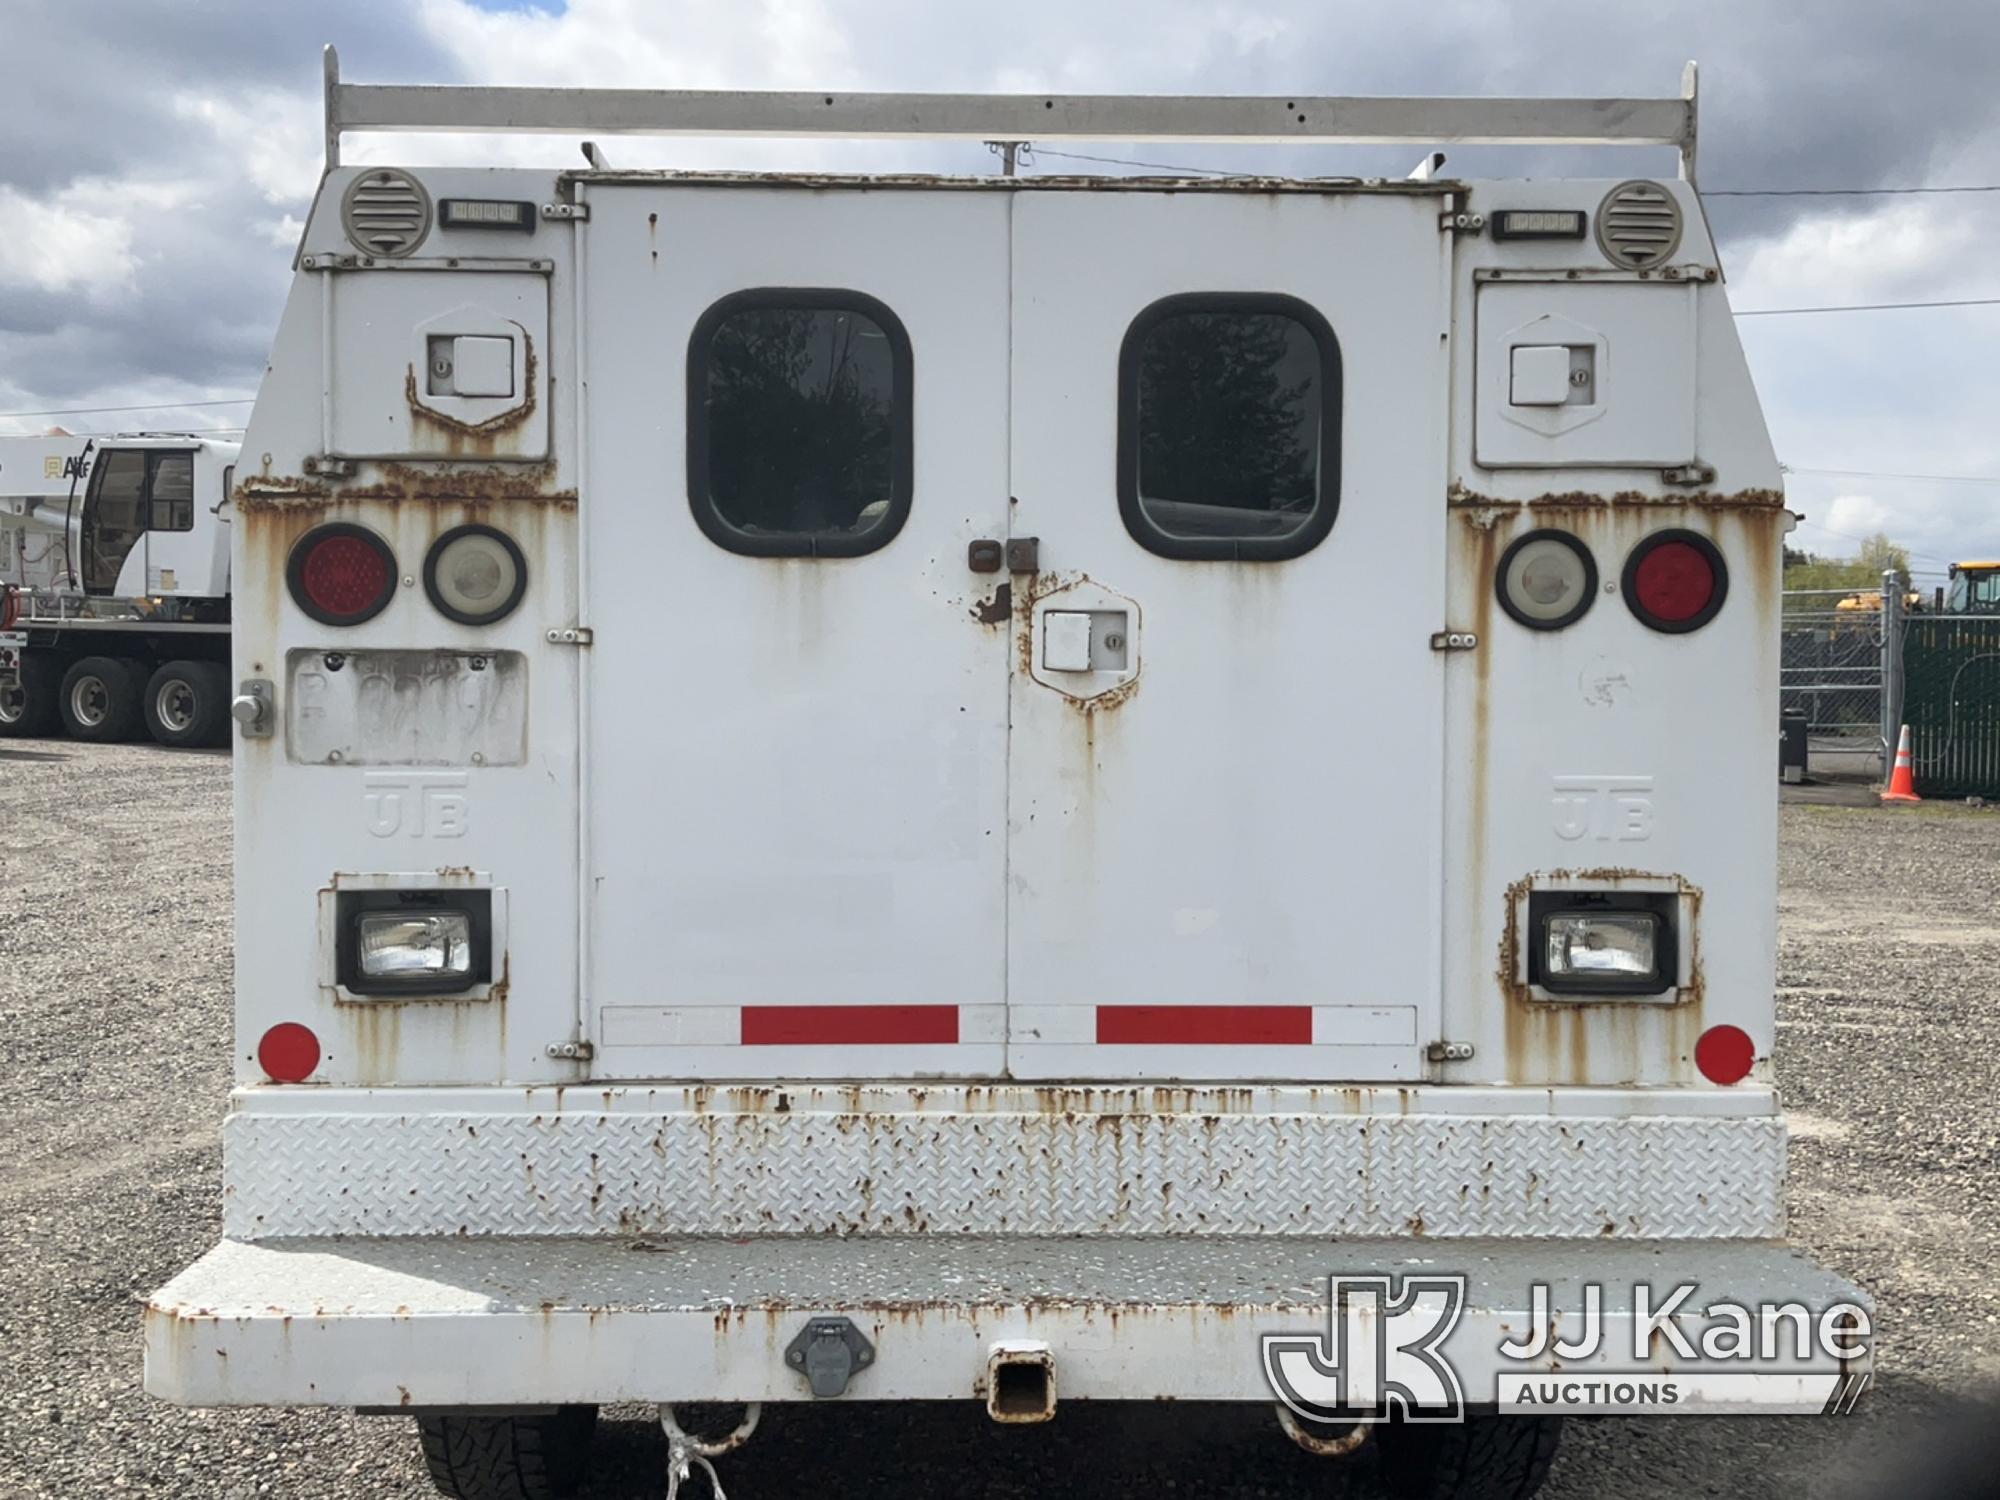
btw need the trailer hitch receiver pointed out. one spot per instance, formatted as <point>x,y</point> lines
<point>828,1352</point>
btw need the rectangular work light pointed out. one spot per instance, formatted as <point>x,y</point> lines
<point>414,942</point>
<point>1603,943</point>
<point>1594,945</point>
<point>428,945</point>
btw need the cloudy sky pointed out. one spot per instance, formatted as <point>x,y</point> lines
<point>156,156</point>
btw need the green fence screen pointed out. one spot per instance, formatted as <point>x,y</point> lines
<point>1951,701</point>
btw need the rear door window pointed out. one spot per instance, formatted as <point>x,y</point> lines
<point>1229,427</point>
<point>799,423</point>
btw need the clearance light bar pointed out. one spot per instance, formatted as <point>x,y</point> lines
<point>486,213</point>
<point>1538,224</point>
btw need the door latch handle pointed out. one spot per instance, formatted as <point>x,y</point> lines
<point>1024,554</point>
<point>985,555</point>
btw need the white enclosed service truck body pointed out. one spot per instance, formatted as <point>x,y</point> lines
<point>114,569</point>
<point>1009,773</point>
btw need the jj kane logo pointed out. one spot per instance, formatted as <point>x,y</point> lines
<point>1382,1354</point>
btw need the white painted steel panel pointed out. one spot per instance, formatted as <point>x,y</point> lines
<point>398,1323</point>
<point>1275,765</point>
<point>381,326</point>
<point>838,1160</point>
<point>814,815</point>
<point>1642,336</point>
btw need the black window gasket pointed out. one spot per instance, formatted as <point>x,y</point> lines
<point>902,425</point>
<point>1144,530</point>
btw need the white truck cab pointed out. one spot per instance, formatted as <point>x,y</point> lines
<point>1036,781</point>
<point>114,572</point>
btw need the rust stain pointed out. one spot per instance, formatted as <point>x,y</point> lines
<point>997,610</point>
<point>1167,182</point>
<point>1459,497</point>
<point>1587,1041</point>
<point>479,439</point>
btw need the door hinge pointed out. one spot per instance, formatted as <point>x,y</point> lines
<point>1463,223</point>
<point>1691,475</point>
<point>1449,1052</point>
<point>1454,640</point>
<point>326,466</point>
<point>570,635</point>
<point>575,211</point>
<point>571,1051</point>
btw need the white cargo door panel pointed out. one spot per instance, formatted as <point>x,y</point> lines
<point>436,361</point>
<point>797,763</point>
<point>1224,806</point>
<point>1586,374</point>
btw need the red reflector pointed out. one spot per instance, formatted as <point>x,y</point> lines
<point>1206,1025</point>
<point>288,1053</point>
<point>1725,1054</point>
<point>848,1025</point>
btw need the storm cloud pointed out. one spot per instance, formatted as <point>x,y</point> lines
<point>156,158</point>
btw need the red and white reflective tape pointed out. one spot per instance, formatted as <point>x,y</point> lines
<point>926,1025</point>
<point>849,1025</point>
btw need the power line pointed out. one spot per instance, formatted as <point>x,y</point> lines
<point>1867,192</point>
<point>1839,307</point>
<point>1126,161</point>
<point>1812,192</point>
<point>1891,474</point>
<point>98,411</point>
<point>1851,537</point>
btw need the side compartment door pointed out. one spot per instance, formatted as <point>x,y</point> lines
<point>1224,818</point>
<point>797,700</point>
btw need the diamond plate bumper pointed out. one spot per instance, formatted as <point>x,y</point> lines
<point>521,1322</point>
<point>881,1160</point>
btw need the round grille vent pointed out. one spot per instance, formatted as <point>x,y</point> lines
<point>1639,225</point>
<point>386,212</point>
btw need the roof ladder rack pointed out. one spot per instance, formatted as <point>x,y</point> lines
<point>1021,117</point>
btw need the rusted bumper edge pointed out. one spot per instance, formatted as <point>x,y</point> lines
<point>441,1323</point>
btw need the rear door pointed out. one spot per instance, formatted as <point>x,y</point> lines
<point>1228,440</point>
<point>797,715</point>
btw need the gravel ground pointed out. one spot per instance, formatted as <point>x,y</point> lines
<point>114,999</point>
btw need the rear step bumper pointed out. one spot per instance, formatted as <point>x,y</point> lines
<point>1005,1159</point>
<point>530,1322</point>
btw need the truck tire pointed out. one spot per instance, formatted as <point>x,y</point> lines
<point>100,700</point>
<point>539,1457</point>
<point>187,703</point>
<point>1481,1458</point>
<point>28,703</point>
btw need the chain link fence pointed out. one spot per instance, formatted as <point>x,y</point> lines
<point>1841,668</point>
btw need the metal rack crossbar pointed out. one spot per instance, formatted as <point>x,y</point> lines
<point>354,107</point>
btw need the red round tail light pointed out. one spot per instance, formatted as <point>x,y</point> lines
<point>288,1053</point>
<point>341,574</point>
<point>1675,581</point>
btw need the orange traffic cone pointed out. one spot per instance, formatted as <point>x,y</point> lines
<point>1902,779</point>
